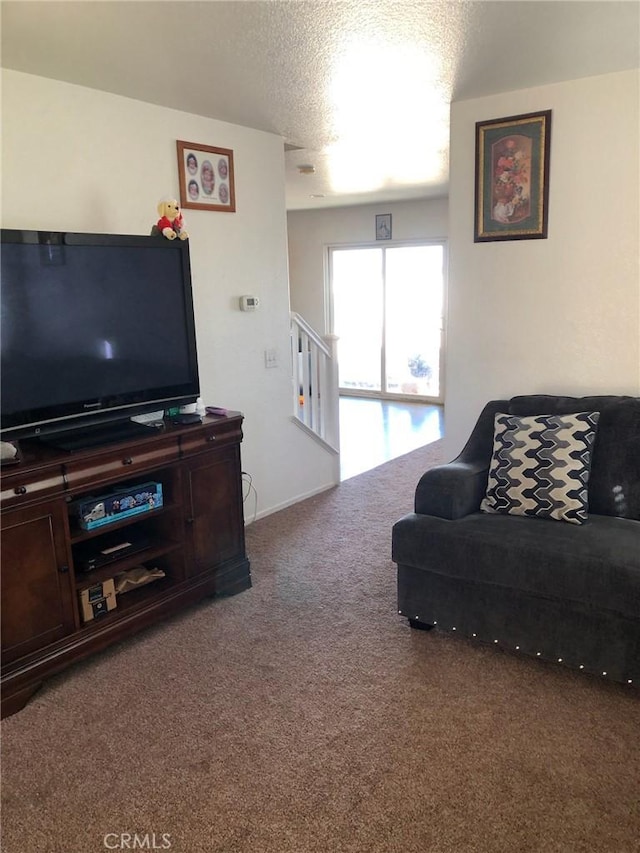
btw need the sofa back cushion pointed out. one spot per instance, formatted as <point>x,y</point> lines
<point>614,483</point>
<point>540,466</point>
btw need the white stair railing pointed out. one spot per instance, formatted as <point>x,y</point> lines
<point>315,381</point>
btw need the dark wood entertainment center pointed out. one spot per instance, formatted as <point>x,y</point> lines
<point>196,538</point>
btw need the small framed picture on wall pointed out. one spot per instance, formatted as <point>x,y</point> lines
<point>206,177</point>
<point>383,226</point>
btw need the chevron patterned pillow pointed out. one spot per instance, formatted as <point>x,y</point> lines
<point>540,466</point>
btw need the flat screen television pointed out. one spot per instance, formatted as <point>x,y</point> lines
<point>95,329</point>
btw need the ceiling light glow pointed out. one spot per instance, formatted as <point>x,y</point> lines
<point>391,117</point>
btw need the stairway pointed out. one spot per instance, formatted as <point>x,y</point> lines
<point>315,383</point>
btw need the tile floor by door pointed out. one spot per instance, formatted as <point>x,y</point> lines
<point>374,431</point>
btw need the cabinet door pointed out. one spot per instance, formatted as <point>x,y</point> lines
<point>37,594</point>
<point>213,502</point>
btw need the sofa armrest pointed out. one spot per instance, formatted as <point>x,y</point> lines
<point>453,490</point>
<point>457,488</point>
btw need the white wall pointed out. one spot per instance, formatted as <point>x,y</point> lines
<point>560,315</point>
<point>311,231</point>
<point>80,160</point>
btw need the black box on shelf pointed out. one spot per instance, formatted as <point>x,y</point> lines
<point>99,552</point>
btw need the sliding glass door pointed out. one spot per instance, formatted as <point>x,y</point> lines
<point>387,310</point>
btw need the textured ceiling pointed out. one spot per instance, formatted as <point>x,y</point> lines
<point>358,90</point>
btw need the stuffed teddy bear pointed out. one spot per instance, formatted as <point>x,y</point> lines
<point>171,222</point>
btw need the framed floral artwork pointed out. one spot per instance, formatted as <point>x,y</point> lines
<point>206,177</point>
<point>512,177</point>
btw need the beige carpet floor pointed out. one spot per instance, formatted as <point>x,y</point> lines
<point>305,716</point>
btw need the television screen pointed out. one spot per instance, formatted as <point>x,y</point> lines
<point>93,327</point>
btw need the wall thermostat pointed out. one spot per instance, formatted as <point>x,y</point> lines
<point>249,303</point>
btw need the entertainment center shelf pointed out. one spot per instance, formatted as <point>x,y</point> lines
<point>194,543</point>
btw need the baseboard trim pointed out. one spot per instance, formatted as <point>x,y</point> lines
<point>271,510</point>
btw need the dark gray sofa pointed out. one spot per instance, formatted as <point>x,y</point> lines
<point>561,592</point>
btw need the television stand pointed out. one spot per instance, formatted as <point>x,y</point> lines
<point>97,435</point>
<point>192,543</point>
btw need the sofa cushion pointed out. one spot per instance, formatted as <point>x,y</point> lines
<point>550,404</point>
<point>614,486</point>
<point>596,564</point>
<point>540,466</point>
<point>614,483</point>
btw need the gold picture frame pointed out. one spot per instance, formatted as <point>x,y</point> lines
<point>206,177</point>
<point>512,177</point>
